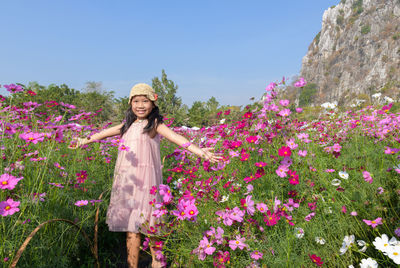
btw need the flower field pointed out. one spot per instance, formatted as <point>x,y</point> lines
<point>289,192</point>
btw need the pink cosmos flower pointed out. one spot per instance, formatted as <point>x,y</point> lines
<point>374,223</point>
<point>191,212</point>
<point>367,177</point>
<point>261,207</point>
<point>353,213</point>
<point>248,204</point>
<point>281,171</point>
<point>302,153</point>
<point>256,255</point>
<point>237,243</point>
<point>299,110</point>
<point>284,112</point>
<point>165,192</point>
<point>300,83</point>
<point>271,86</point>
<point>123,148</point>
<point>290,205</point>
<point>236,214</point>
<point>32,137</point>
<point>291,144</point>
<point>284,103</point>
<point>8,181</point>
<point>207,246</point>
<point>81,203</point>
<point>309,216</point>
<point>9,207</point>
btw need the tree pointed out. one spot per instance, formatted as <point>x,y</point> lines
<point>197,114</point>
<point>170,105</point>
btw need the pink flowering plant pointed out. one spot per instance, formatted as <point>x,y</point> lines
<point>293,189</point>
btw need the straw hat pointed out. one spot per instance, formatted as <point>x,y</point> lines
<point>142,89</point>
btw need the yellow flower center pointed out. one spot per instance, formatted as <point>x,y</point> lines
<point>4,182</point>
<point>7,207</point>
<point>237,242</point>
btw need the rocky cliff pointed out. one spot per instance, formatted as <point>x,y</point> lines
<point>357,52</point>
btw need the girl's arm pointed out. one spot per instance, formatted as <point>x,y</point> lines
<point>109,132</point>
<point>179,140</point>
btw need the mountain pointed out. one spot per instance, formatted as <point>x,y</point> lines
<point>357,52</point>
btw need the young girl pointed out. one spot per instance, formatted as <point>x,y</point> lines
<point>139,168</point>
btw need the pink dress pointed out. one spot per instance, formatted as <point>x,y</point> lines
<point>136,171</point>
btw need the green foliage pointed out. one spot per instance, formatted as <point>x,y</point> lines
<point>340,20</point>
<point>365,29</point>
<point>357,7</point>
<point>307,94</point>
<point>169,103</point>
<point>317,37</point>
<point>396,36</point>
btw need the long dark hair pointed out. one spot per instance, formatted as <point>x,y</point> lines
<point>154,119</point>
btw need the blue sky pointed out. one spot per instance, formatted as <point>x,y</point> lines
<point>223,48</point>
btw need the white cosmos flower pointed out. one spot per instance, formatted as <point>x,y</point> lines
<point>224,198</point>
<point>394,253</point>
<point>336,182</point>
<point>348,241</point>
<point>362,244</point>
<point>320,240</point>
<point>368,263</point>
<point>382,243</point>
<point>343,175</point>
<point>299,232</point>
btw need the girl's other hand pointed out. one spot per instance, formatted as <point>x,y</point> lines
<point>210,156</point>
<point>76,143</point>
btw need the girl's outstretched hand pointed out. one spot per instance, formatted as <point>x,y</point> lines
<point>210,156</point>
<point>76,143</point>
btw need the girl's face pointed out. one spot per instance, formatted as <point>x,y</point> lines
<point>141,106</point>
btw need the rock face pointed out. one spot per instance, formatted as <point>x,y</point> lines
<point>357,52</point>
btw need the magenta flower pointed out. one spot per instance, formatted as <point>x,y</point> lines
<point>271,218</point>
<point>8,181</point>
<point>237,243</point>
<point>256,255</point>
<point>9,207</point>
<point>290,205</point>
<point>367,177</point>
<point>32,137</point>
<point>12,88</point>
<point>299,110</point>
<point>81,203</point>
<point>374,223</point>
<point>284,151</point>
<point>123,148</point>
<point>81,176</point>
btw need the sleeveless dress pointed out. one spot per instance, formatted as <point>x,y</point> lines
<point>137,170</point>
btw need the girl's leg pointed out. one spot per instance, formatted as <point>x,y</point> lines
<point>133,246</point>
<point>155,262</point>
